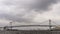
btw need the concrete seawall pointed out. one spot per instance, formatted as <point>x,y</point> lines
<point>29,32</point>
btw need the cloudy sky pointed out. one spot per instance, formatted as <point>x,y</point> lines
<point>28,11</point>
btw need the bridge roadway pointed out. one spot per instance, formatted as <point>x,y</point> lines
<point>30,26</point>
<point>33,26</point>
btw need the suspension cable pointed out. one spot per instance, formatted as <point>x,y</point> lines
<point>43,22</point>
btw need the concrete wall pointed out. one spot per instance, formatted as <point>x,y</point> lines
<point>8,32</point>
<point>29,32</point>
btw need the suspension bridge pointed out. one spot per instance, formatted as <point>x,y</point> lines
<point>49,25</point>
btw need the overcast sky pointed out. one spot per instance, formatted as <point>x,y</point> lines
<point>29,11</point>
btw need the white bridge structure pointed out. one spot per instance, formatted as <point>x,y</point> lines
<point>49,25</point>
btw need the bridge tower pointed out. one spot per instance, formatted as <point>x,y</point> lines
<point>11,25</point>
<point>50,24</point>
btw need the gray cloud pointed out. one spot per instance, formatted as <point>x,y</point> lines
<point>42,4</point>
<point>28,14</point>
<point>33,4</point>
<point>16,18</point>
